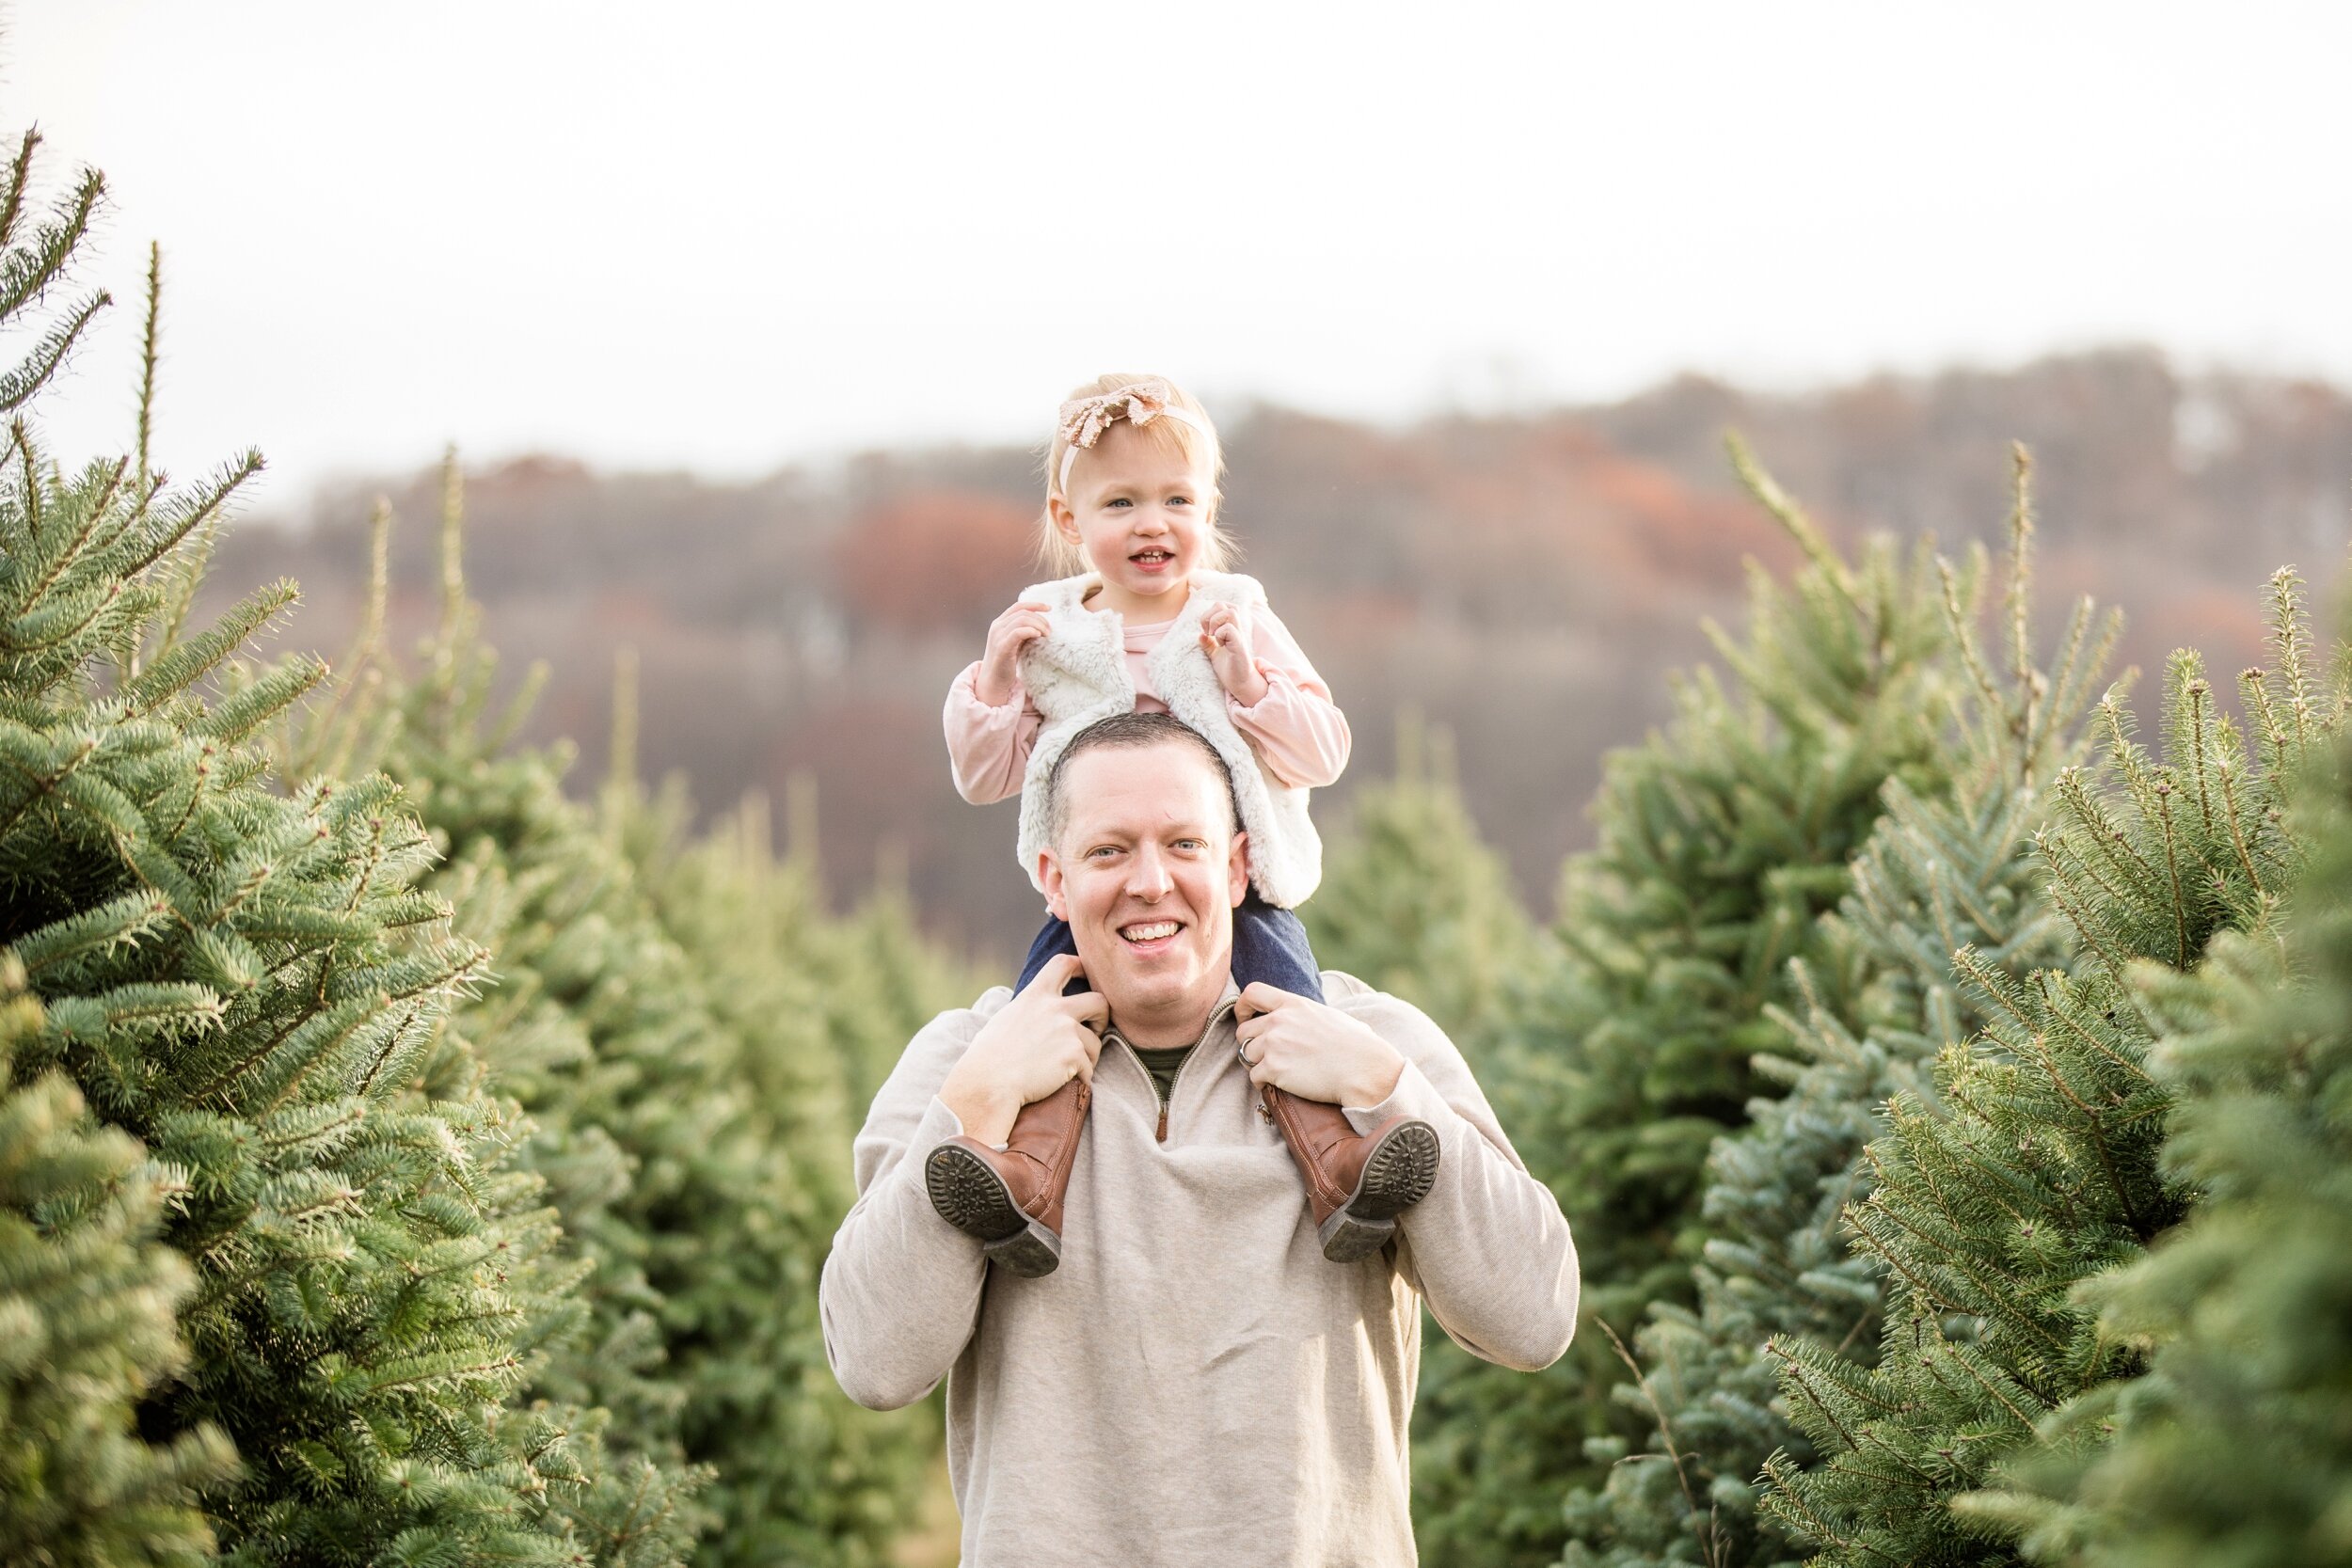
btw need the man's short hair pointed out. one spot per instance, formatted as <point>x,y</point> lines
<point>1132,731</point>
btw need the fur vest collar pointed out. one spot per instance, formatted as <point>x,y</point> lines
<point>1077,674</point>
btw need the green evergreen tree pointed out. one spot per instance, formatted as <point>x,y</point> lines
<point>2234,1449</point>
<point>803,998</point>
<point>1722,841</point>
<point>1937,874</point>
<point>248,983</point>
<point>87,1298</point>
<point>2035,1166</point>
<point>703,1205</point>
<point>1414,902</point>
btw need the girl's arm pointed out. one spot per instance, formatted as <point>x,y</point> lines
<point>987,747</point>
<point>1296,729</point>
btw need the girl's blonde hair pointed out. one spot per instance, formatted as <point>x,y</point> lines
<point>1196,441</point>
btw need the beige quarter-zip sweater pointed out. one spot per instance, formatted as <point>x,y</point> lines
<point>1195,1384</point>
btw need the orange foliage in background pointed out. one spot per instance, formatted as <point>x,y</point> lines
<point>930,558</point>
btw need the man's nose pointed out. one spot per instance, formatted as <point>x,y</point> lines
<point>1147,874</point>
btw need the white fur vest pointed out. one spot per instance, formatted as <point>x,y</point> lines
<point>1077,674</point>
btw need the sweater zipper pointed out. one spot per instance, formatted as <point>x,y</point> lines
<point>1215,1017</point>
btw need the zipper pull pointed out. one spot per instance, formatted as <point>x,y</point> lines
<point>1162,1134</point>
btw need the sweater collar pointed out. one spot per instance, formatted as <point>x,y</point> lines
<point>1224,1009</point>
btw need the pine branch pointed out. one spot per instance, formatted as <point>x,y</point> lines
<point>32,373</point>
<point>148,342</point>
<point>19,178</point>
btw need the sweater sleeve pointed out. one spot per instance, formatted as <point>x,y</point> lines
<point>1488,1248</point>
<point>900,1290</point>
<point>988,748</point>
<point>1295,728</point>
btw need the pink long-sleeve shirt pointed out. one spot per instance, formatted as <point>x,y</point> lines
<point>1295,728</point>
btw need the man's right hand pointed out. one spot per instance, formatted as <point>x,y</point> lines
<point>1000,660</point>
<point>1036,1043</point>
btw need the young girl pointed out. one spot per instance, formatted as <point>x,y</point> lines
<point>1148,619</point>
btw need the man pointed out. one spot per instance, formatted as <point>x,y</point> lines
<point>1195,1383</point>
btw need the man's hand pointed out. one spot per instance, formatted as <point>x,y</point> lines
<point>1000,660</point>
<point>1038,1041</point>
<point>1225,637</point>
<point>1313,1051</point>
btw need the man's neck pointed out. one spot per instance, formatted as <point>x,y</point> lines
<point>1163,1029</point>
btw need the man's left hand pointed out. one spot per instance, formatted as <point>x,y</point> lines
<point>1314,1051</point>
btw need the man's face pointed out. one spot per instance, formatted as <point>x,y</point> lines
<point>1147,870</point>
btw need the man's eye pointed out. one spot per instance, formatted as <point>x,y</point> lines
<point>1190,844</point>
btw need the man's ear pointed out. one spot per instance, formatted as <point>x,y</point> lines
<point>1049,873</point>
<point>1237,870</point>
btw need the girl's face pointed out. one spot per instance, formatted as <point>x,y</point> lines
<point>1143,514</point>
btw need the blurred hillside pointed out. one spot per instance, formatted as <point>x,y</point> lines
<point>1521,579</point>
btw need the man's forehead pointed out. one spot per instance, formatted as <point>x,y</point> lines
<point>1171,784</point>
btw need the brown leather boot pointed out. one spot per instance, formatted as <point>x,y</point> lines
<point>1356,1184</point>
<point>1011,1199</point>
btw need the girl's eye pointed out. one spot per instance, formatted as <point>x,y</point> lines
<point>1179,500</point>
<point>1120,500</point>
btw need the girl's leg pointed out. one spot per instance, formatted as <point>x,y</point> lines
<point>1270,944</point>
<point>1011,1199</point>
<point>1356,1184</point>
<point>1051,942</point>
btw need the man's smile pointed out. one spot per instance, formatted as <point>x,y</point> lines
<point>1149,933</point>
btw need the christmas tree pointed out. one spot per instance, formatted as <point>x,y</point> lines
<point>87,1298</point>
<point>695,1156</point>
<point>241,976</point>
<point>1723,841</point>
<point>805,999</point>
<point>2234,1447</point>
<point>2034,1165</point>
<point>1414,902</point>
<point>1937,874</point>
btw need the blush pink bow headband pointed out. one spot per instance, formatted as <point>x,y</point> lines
<point>1084,419</point>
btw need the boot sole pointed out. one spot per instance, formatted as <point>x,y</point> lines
<point>1397,1175</point>
<point>970,1196</point>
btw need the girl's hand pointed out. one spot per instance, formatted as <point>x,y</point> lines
<point>1225,637</point>
<point>1000,660</point>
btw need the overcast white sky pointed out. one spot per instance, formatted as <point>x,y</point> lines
<point>727,235</point>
